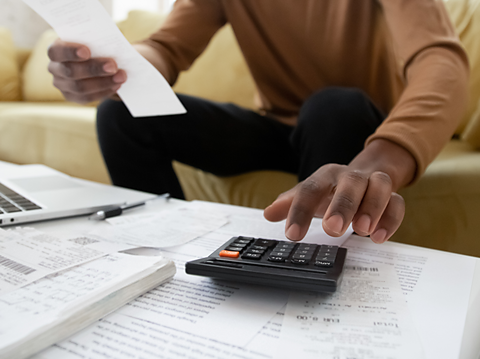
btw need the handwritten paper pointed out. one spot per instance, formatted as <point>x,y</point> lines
<point>146,92</point>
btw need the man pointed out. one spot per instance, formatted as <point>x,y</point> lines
<point>355,96</point>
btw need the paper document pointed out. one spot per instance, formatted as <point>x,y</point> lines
<point>190,316</point>
<point>146,92</point>
<point>436,294</point>
<point>27,255</point>
<point>61,302</point>
<point>367,317</point>
<point>118,336</point>
<point>436,286</point>
<point>163,229</point>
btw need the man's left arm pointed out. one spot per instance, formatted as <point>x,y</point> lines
<point>424,119</point>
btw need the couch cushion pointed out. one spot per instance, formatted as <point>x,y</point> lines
<point>255,189</point>
<point>9,72</point>
<point>465,15</point>
<point>140,24</point>
<point>57,134</point>
<point>442,209</point>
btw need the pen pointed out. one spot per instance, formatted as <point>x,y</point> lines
<point>116,211</point>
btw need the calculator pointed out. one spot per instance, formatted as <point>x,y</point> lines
<point>283,264</point>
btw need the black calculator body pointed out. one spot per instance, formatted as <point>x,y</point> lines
<point>283,264</point>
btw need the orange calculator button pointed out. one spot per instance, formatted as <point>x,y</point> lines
<point>230,254</point>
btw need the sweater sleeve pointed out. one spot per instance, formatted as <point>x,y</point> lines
<point>435,72</point>
<point>185,33</point>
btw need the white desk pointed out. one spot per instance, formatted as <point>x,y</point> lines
<point>470,348</point>
<point>470,344</point>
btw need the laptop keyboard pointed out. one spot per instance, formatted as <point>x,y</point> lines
<point>11,201</point>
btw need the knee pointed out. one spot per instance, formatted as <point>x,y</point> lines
<point>110,112</point>
<point>335,107</point>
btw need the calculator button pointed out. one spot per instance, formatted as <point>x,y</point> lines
<point>245,238</point>
<point>330,256</point>
<point>229,254</point>
<point>239,245</point>
<point>309,252</point>
<point>258,251</point>
<point>279,254</point>
<point>306,247</point>
<point>325,249</point>
<point>242,241</point>
<point>300,261</point>
<point>248,255</point>
<point>285,245</point>
<point>282,250</point>
<point>325,264</point>
<point>325,259</point>
<point>234,249</point>
<point>265,242</point>
<point>259,247</point>
<point>302,256</point>
<point>322,254</point>
<point>327,246</point>
<point>276,259</point>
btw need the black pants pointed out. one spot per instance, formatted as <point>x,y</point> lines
<point>226,140</point>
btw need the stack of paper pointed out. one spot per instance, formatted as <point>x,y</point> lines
<point>37,315</point>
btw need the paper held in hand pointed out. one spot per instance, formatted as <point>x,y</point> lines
<point>146,92</point>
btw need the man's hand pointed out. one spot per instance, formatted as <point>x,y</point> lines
<point>362,193</point>
<point>81,78</point>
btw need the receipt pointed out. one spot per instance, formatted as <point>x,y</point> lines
<point>146,92</point>
<point>366,318</point>
<point>27,255</point>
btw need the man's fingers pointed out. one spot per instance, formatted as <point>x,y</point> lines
<point>82,70</point>
<point>345,202</point>
<point>61,51</point>
<point>310,195</point>
<point>85,86</point>
<point>373,204</point>
<point>278,210</point>
<point>87,98</point>
<point>391,219</point>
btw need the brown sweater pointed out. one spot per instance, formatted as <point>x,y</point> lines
<point>403,53</point>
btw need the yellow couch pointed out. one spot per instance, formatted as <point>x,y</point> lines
<point>38,126</point>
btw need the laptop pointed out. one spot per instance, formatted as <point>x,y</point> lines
<point>31,193</point>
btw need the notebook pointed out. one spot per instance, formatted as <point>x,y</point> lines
<point>31,193</point>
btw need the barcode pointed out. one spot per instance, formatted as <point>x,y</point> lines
<point>17,267</point>
<point>366,269</point>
